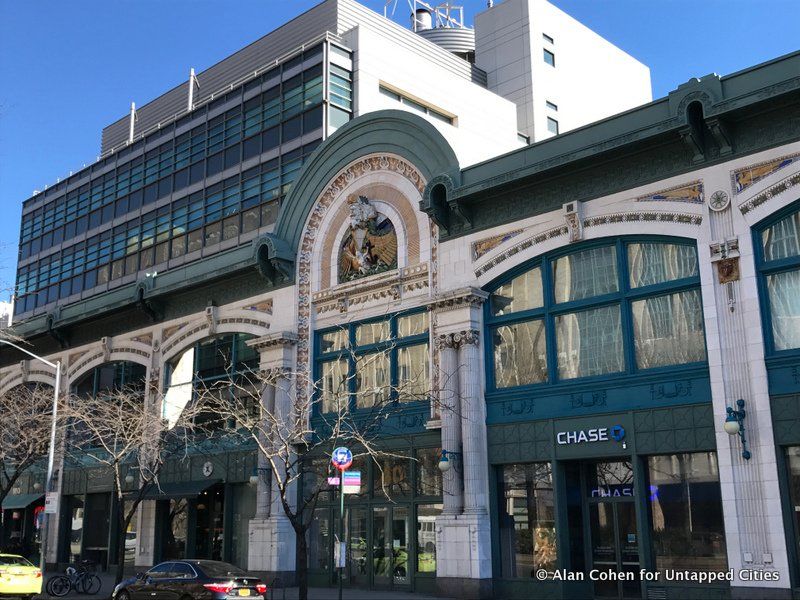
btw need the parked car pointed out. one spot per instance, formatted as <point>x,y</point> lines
<point>191,580</point>
<point>18,577</point>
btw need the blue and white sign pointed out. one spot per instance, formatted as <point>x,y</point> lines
<point>342,458</point>
<point>599,434</point>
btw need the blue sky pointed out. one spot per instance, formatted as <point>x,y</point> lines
<point>70,68</point>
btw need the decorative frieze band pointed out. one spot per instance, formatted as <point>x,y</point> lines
<point>272,340</point>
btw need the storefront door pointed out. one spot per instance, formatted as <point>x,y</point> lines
<point>614,545</point>
<point>390,546</point>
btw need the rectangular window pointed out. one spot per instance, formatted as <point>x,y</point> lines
<point>334,385</point>
<point>585,274</point>
<point>784,302</point>
<point>651,263</point>
<point>520,355</point>
<point>373,383</point>
<point>413,373</point>
<point>548,39</point>
<point>686,512</point>
<point>426,536</point>
<point>372,333</point>
<point>552,125</point>
<point>549,57</point>
<point>589,342</point>
<point>527,519</point>
<point>668,330</point>
<point>550,105</point>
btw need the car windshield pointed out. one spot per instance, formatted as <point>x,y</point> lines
<point>220,569</point>
<point>14,561</point>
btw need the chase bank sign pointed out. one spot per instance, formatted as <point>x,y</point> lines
<point>588,436</point>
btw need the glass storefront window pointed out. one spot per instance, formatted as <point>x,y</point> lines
<point>174,545</point>
<point>686,512</point>
<point>520,355</point>
<point>392,477</point>
<point>76,529</point>
<point>527,519</point>
<point>429,477</point>
<point>426,537</point>
<point>130,535</point>
<point>668,330</point>
<point>589,343</point>
<point>319,541</point>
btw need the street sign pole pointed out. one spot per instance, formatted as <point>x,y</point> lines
<point>341,458</point>
<point>341,531</point>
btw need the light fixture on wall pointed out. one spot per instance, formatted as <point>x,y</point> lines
<point>16,491</point>
<point>258,474</point>
<point>129,479</point>
<point>37,486</point>
<point>445,462</point>
<point>734,425</point>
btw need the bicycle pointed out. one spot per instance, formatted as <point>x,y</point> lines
<point>81,578</point>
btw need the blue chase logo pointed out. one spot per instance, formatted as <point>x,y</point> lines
<point>617,433</point>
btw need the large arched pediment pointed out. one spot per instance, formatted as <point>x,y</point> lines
<point>386,132</point>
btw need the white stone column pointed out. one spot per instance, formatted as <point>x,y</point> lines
<point>264,486</point>
<point>463,539</point>
<point>473,424</point>
<point>450,411</point>
<point>272,542</point>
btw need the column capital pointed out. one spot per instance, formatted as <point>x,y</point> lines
<point>456,339</point>
<point>277,350</point>
<point>460,298</point>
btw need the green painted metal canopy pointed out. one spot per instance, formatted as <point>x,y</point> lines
<point>180,489</point>
<point>20,501</point>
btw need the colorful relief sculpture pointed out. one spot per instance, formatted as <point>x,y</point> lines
<point>370,245</point>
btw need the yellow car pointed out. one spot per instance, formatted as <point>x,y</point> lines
<point>18,577</point>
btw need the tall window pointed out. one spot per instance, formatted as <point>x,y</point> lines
<point>778,245</point>
<point>220,366</point>
<point>615,307</point>
<point>367,364</point>
<point>549,57</point>
<point>527,519</point>
<point>686,512</point>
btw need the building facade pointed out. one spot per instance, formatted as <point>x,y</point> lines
<point>575,317</point>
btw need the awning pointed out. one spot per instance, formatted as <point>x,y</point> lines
<point>182,489</point>
<point>20,501</point>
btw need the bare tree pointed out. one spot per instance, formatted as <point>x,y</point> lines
<point>124,433</point>
<point>291,452</point>
<point>24,432</point>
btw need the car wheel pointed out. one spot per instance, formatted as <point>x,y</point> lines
<point>123,595</point>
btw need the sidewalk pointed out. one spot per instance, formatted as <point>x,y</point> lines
<point>278,594</point>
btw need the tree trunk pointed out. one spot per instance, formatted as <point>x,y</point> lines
<point>301,568</point>
<point>121,538</point>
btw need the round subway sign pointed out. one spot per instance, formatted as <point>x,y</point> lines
<point>342,458</point>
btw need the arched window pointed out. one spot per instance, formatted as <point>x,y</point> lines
<point>112,376</point>
<point>608,308</point>
<point>777,246</point>
<point>220,365</point>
